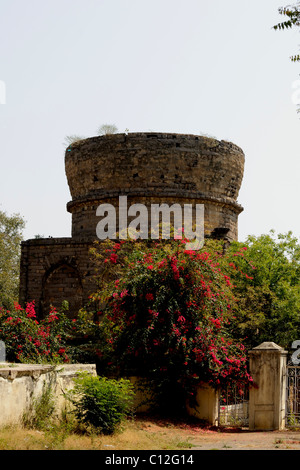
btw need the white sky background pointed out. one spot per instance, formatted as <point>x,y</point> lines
<point>188,66</point>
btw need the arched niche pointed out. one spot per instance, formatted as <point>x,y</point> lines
<point>62,282</point>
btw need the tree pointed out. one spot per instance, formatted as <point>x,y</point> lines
<point>292,12</point>
<point>11,228</point>
<point>266,273</point>
<point>165,315</point>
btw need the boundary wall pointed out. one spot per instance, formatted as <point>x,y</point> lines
<point>20,384</point>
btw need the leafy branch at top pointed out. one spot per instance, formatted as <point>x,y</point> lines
<point>292,13</point>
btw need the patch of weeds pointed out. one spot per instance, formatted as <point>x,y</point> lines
<point>184,445</point>
<point>40,410</point>
<point>3,444</point>
<point>55,437</point>
<point>177,444</point>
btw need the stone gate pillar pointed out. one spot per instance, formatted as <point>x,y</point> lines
<point>267,401</point>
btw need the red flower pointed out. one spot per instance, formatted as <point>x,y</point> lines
<point>181,319</point>
<point>30,310</point>
<point>17,306</point>
<point>113,258</point>
<point>52,317</point>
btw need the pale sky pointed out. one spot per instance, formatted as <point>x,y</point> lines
<point>197,67</point>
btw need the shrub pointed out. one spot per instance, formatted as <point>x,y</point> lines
<point>28,339</point>
<point>166,316</point>
<point>101,403</point>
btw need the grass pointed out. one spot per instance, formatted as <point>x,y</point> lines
<point>140,434</point>
<point>41,428</point>
<point>143,433</point>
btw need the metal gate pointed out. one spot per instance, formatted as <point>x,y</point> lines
<point>234,406</point>
<point>293,396</point>
<point>292,407</point>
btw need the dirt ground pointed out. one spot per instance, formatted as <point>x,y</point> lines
<point>246,440</point>
<point>207,438</point>
<point>152,434</point>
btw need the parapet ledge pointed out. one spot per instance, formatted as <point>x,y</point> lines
<point>13,371</point>
<point>53,241</point>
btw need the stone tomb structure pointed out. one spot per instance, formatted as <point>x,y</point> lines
<point>148,168</point>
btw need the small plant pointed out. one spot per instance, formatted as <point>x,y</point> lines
<point>40,410</point>
<point>186,444</point>
<point>101,404</point>
<point>107,129</point>
<point>293,420</point>
<point>72,139</point>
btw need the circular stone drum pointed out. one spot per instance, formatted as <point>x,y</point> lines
<point>152,168</point>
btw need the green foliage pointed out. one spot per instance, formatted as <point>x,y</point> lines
<point>101,403</point>
<point>254,292</point>
<point>41,409</point>
<point>292,13</point>
<point>266,275</point>
<point>30,340</point>
<point>11,228</point>
<point>166,315</point>
<point>295,58</point>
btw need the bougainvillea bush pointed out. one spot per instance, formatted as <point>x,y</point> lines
<point>166,316</point>
<point>28,339</point>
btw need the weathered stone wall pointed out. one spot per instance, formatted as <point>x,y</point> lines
<point>155,168</point>
<point>20,384</point>
<point>54,270</point>
<point>149,169</point>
